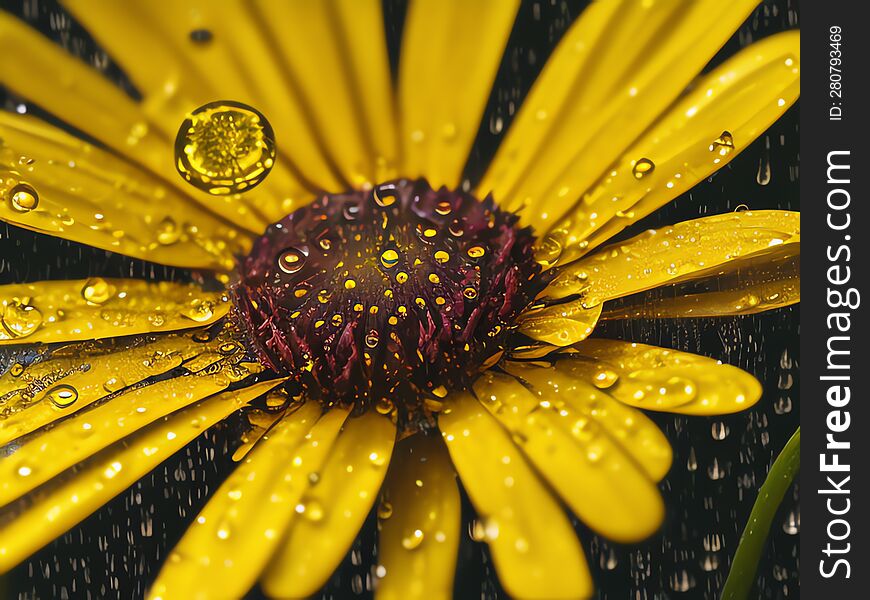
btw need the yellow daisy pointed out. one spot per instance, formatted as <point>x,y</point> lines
<point>390,336</point>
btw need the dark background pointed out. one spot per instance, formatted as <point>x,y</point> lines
<point>719,463</point>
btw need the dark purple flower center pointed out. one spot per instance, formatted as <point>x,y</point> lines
<point>388,298</point>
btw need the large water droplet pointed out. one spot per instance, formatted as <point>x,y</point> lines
<point>225,148</point>
<point>62,396</point>
<point>23,197</point>
<point>20,319</point>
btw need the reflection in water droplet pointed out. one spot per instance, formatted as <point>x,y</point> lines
<point>225,148</point>
<point>62,396</point>
<point>385,195</point>
<point>23,197</point>
<point>604,378</point>
<point>642,168</point>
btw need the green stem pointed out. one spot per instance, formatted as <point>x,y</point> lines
<point>745,564</point>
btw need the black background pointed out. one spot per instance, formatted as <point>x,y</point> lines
<point>712,484</point>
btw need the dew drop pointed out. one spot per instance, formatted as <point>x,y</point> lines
<point>23,197</point>
<point>62,396</point>
<point>199,310</point>
<point>225,148</point>
<point>604,378</point>
<point>476,251</point>
<point>384,196</point>
<point>16,370</point>
<point>723,145</point>
<point>389,258</point>
<point>470,293</point>
<point>385,510</point>
<point>441,257</point>
<point>97,291</point>
<point>443,208</point>
<point>20,319</point>
<point>413,540</point>
<point>201,36</point>
<point>313,511</point>
<point>642,167</point>
<point>291,260</point>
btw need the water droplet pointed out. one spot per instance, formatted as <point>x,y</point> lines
<point>476,251</point>
<point>292,260</point>
<point>413,540</point>
<point>385,510</point>
<point>200,310</point>
<point>16,370</point>
<point>604,378</point>
<point>372,339</point>
<point>225,148</point>
<point>441,257</point>
<point>720,430</point>
<point>389,258</point>
<point>384,406</point>
<point>349,284</point>
<point>20,319</point>
<point>549,250</point>
<point>642,168</point>
<point>168,232</point>
<point>443,208</point>
<point>97,290</point>
<point>313,510</point>
<point>470,293</point>
<point>401,277</point>
<point>62,396</point>
<point>723,145</point>
<point>384,196</point>
<point>23,197</point>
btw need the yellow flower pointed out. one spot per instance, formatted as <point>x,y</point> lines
<point>531,414</point>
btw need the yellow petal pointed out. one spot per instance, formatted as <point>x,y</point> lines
<point>85,433</point>
<point>85,194</point>
<point>450,54</point>
<point>62,504</point>
<point>561,389</point>
<point>667,380</point>
<point>240,61</point>
<point>715,121</point>
<point>71,378</point>
<point>236,534</point>
<point>560,324</point>
<point>260,422</point>
<point>70,89</point>
<point>95,308</point>
<point>687,250</point>
<point>575,453</point>
<point>534,547</point>
<point>345,84</point>
<point>420,495</point>
<point>618,67</point>
<point>754,288</point>
<point>333,509</point>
